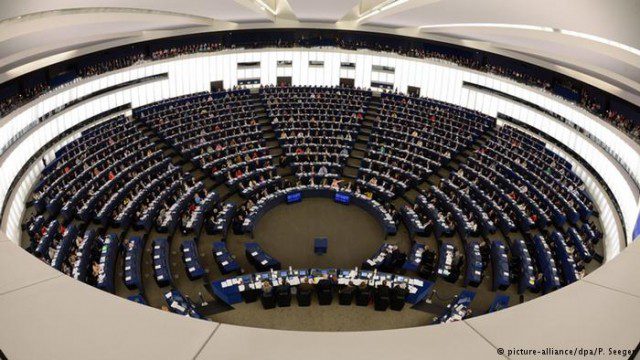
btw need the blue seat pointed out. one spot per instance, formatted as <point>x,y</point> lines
<point>161,269</point>
<point>546,264</point>
<point>62,252</point>
<point>578,243</point>
<point>447,266</point>
<point>259,258</point>
<point>527,280</point>
<point>320,245</point>
<point>500,266</point>
<point>499,302</point>
<point>81,267</point>
<point>473,275</point>
<point>225,261</point>
<point>132,261</point>
<point>137,298</point>
<point>567,264</point>
<point>455,309</point>
<point>415,257</point>
<point>42,249</point>
<point>107,263</point>
<point>180,305</point>
<point>191,259</point>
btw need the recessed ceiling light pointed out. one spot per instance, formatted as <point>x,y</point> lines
<point>540,28</point>
<point>265,7</point>
<point>380,8</point>
<point>492,25</point>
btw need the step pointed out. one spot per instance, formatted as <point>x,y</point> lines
<point>284,172</point>
<point>222,191</point>
<point>350,172</point>
<point>401,201</point>
<point>358,153</point>
<point>353,162</point>
<point>360,146</point>
<point>424,186</point>
<point>411,195</point>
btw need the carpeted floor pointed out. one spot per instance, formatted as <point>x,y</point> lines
<point>287,232</point>
<point>332,317</point>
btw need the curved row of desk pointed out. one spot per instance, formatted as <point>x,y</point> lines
<point>295,194</point>
<point>230,290</point>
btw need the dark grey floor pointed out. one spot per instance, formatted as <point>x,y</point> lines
<point>333,317</point>
<point>287,233</point>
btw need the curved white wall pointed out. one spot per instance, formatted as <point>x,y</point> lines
<point>438,80</point>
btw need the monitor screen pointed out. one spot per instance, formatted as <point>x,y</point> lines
<point>295,197</point>
<point>342,198</point>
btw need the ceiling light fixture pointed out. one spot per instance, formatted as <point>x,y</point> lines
<point>602,41</point>
<point>492,25</point>
<point>541,28</point>
<point>384,6</point>
<point>266,7</point>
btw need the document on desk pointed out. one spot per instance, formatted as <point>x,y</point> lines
<point>177,306</point>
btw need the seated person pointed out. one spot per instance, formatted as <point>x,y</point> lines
<point>283,294</point>
<point>346,294</point>
<point>363,294</point>
<point>381,297</point>
<point>304,293</point>
<point>398,295</point>
<point>325,294</point>
<point>250,294</point>
<point>267,298</point>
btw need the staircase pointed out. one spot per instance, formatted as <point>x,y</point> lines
<point>350,171</point>
<point>270,137</point>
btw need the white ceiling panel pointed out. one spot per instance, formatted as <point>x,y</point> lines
<point>325,10</point>
<point>227,10</point>
<point>37,28</point>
